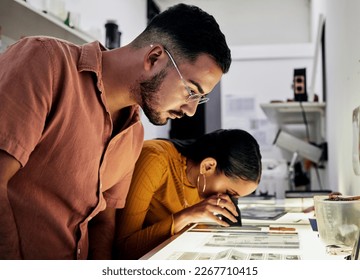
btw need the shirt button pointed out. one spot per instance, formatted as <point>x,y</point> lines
<point>79,251</point>
<point>101,186</point>
<point>89,218</point>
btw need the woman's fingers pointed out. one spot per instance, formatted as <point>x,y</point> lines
<point>219,206</point>
<point>224,201</point>
<point>214,209</point>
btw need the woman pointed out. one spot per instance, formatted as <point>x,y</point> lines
<point>178,182</point>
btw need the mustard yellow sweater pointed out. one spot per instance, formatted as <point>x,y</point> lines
<point>157,192</point>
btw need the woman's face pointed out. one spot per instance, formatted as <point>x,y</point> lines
<point>219,183</point>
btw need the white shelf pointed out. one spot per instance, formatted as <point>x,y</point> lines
<point>291,112</point>
<point>19,19</point>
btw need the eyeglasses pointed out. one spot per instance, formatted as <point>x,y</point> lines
<point>193,97</point>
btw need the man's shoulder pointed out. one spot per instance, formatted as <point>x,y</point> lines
<point>41,44</point>
<point>44,39</point>
<point>54,42</point>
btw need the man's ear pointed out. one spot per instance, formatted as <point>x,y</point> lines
<point>208,166</point>
<point>153,56</point>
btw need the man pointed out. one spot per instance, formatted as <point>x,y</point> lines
<point>70,131</point>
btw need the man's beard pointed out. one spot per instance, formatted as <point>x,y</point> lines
<point>149,98</point>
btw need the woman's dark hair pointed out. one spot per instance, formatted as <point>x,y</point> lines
<point>236,151</point>
<point>187,31</point>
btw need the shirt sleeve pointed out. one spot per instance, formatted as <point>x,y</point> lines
<point>25,93</point>
<point>134,240</point>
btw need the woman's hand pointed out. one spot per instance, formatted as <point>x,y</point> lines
<point>207,211</point>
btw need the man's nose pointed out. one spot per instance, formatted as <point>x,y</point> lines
<point>190,108</point>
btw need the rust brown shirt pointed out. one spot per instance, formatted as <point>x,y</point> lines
<point>54,120</point>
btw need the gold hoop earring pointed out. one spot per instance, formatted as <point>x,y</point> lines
<point>198,182</point>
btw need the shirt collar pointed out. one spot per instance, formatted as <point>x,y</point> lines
<point>91,60</point>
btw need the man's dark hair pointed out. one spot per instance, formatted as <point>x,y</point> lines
<point>187,31</point>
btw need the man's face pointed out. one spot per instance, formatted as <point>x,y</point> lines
<point>164,95</point>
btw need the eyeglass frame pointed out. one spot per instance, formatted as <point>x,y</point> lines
<point>193,97</point>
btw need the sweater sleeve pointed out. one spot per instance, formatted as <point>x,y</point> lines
<point>133,239</point>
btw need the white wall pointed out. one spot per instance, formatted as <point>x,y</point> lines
<point>257,22</point>
<point>343,70</point>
